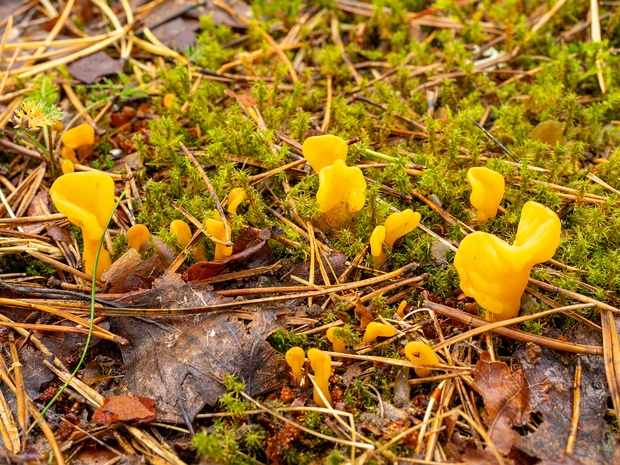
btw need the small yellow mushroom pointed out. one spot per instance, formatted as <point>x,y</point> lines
<point>376,329</point>
<point>321,364</point>
<point>399,224</point>
<point>67,153</point>
<point>137,235</point>
<point>341,194</point>
<point>401,309</point>
<point>419,353</point>
<point>377,238</point>
<point>88,201</point>
<point>487,190</point>
<point>79,136</point>
<point>235,197</point>
<point>496,273</point>
<point>295,359</point>
<point>215,227</point>
<point>67,167</point>
<point>338,342</point>
<point>180,230</point>
<point>322,151</point>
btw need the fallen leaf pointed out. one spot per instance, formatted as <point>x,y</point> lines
<point>335,261</point>
<point>178,33</point>
<point>93,67</point>
<point>508,399</point>
<point>181,361</point>
<point>250,250</point>
<point>548,442</point>
<point>126,409</point>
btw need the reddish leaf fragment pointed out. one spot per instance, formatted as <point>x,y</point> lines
<point>93,67</point>
<point>507,398</point>
<point>127,409</point>
<point>250,250</point>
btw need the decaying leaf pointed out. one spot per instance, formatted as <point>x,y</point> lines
<point>548,442</point>
<point>181,361</point>
<point>93,67</point>
<point>508,399</point>
<point>127,409</point>
<point>250,250</point>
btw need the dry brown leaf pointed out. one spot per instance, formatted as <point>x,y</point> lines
<point>127,409</point>
<point>507,399</point>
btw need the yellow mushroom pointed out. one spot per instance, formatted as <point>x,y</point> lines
<point>67,167</point>
<point>377,238</point>
<point>401,309</point>
<point>322,151</point>
<point>215,227</point>
<point>399,224</point>
<point>295,359</point>
<point>235,197</point>
<point>79,136</point>
<point>338,342</point>
<point>321,364</point>
<point>180,230</point>
<point>137,235</point>
<point>376,329</point>
<point>487,190</point>
<point>496,273</point>
<point>341,194</point>
<point>88,201</point>
<point>419,353</point>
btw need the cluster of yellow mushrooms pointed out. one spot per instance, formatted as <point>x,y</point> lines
<point>492,271</point>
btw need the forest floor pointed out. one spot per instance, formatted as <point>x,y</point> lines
<point>176,353</point>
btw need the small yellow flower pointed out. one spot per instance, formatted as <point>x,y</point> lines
<point>36,114</point>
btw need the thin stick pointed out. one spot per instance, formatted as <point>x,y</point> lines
<point>218,205</point>
<point>574,426</point>
<point>328,106</point>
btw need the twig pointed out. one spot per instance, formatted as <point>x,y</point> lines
<point>574,426</point>
<point>218,205</point>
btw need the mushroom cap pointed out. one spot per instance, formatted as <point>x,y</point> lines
<point>216,228</point>
<point>538,233</point>
<point>376,241</point>
<point>399,224</point>
<point>137,235</point>
<point>338,342</point>
<point>180,229</point>
<point>322,151</point>
<point>79,136</point>
<point>487,190</point>
<point>87,199</point>
<point>417,352</point>
<point>320,362</point>
<point>235,197</point>
<point>295,357</point>
<point>341,186</point>
<point>496,273</point>
<point>376,329</point>
<point>67,166</point>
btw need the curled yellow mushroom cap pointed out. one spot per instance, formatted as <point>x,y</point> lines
<point>137,235</point>
<point>401,309</point>
<point>341,193</point>
<point>322,151</point>
<point>321,364</point>
<point>215,227</point>
<point>79,136</point>
<point>295,359</point>
<point>88,200</point>
<point>67,153</point>
<point>399,224</point>
<point>338,342</point>
<point>67,167</point>
<point>235,197</point>
<point>376,329</point>
<point>180,230</point>
<point>496,273</point>
<point>487,190</point>
<point>376,241</point>
<point>422,354</point>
